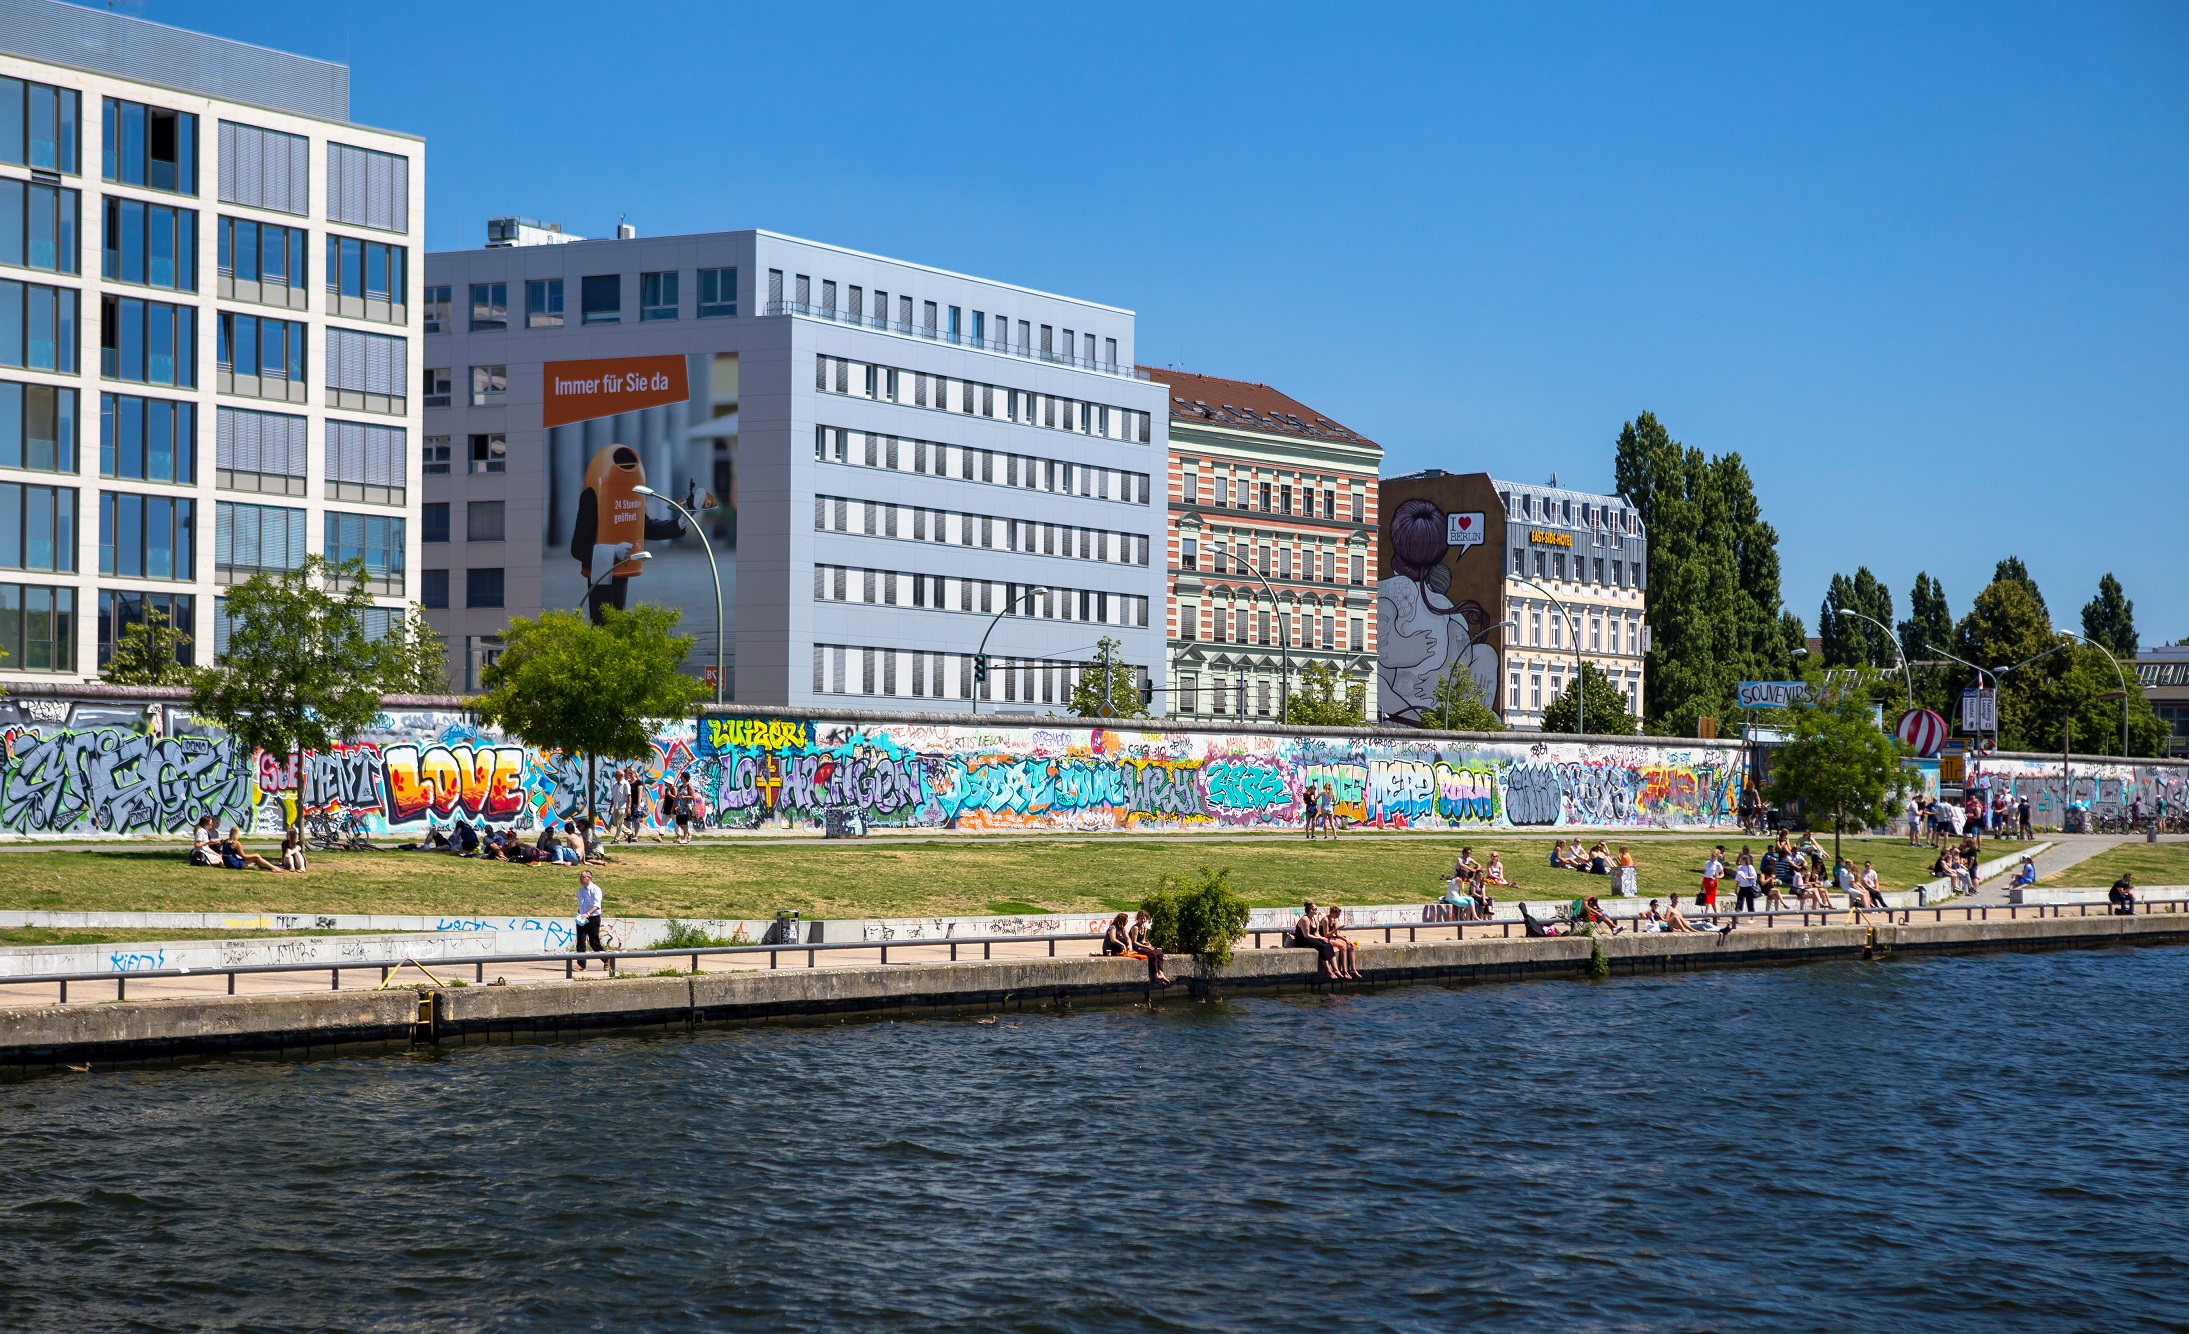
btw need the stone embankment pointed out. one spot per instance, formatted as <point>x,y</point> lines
<point>47,1037</point>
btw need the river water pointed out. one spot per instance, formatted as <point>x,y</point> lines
<point>1972,1143</point>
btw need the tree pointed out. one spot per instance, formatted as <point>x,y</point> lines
<point>148,653</point>
<point>2068,686</point>
<point>2110,618</point>
<point>2006,625</point>
<point>1458,705</point>
<point>1836,762</point>
<point>1929,627</point>
<point>1849,640</point>
<point>416,659</point>
<point>1108,687</point>
<point>1316,702</point>
<point>1606,714</point>
<point>2012,569</point>
<point>565,684</point>
<point>300,672</point>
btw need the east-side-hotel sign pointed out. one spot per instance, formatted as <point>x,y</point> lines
<point>1549,539</point>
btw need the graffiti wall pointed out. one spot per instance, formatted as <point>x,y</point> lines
<point>2104,787</point>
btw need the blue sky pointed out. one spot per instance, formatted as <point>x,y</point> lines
<point>1924,267</point>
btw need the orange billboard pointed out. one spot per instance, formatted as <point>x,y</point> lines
<point>573,391</point>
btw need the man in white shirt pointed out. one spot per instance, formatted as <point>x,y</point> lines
<point>589,904</point>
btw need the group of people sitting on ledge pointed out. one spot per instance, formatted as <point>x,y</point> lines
<point>1957,865</point>
<point>1596,861</point>
<point>584,842</point>
<point>1132,940</point>
<point>1324,932</point>
<point>208,848</point>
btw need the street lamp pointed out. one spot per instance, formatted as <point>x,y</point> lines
<point>2124,685</point>
<point>1284,638</point>
<point>712,569</point>
<point>1995,673</point>
<point>1906,677</point>
<point>1580,676</point>
<point>980,659</point>
<point>594,582</point>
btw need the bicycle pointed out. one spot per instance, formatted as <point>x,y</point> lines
<point>340,831</point>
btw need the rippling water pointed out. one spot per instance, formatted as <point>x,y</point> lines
<point>1973,1143</point>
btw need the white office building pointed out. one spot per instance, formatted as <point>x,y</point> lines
<point>888,462</point>
<point>207,330</point>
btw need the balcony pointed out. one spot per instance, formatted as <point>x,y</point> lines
<point>883,324</point>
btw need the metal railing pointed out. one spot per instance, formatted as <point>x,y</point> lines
<point>886,325</point>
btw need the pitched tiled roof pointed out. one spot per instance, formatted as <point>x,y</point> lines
<point>1247,407</point>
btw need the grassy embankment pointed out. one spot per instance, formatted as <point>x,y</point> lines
<point>2153,863</point>
<point>896,878</point>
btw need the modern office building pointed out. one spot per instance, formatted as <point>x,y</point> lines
<point>890,464</point>
<point>2163,672</point>
<point>1512,583</point>
<point>1272,508</point>
<point>207,316</point>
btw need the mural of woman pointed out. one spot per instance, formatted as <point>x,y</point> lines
<point>612,523</point>
<point>1421,633</point>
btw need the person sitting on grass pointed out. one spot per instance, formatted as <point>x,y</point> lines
<point>1348,953</point>
<point>465,838</point>
<point>1307,936</point>
<point>1142,940</point>
<point>1600,859</point>
<point>1464,867</point>
<point>235,858</point>
<point>1558,855</point>
<point>205,842</point>
<point>292,848</point>
<point>1494,873</point>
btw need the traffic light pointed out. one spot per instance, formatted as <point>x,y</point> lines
<point>980,667</point>
<point>1147,691</point>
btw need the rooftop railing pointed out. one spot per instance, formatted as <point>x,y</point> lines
<point>884,324</point>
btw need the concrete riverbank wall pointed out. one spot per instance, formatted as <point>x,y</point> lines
<point>47,1037</point>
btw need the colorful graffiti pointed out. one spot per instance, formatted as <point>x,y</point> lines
<point>79,768</point>
<point>2106,788</point>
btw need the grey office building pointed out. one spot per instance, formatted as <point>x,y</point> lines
<point>885,459</point>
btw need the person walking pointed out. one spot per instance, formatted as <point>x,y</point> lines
<point>589,906</point>
<point>1745,882</point>
<point>687,807</point>
<point>1713,872</point>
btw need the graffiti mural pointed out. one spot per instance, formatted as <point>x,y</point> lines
<point>86,768</point>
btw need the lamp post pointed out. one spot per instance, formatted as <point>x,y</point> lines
<point>1907,678</point>
<point>1580,675</point>
<point>1284,638</point>
<point>980,659</point>
<point>2124,684</point>
<point>712,568</point>
<point>595,581</point>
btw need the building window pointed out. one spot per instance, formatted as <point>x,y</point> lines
<point>718,293</point>
<point>490,453</point>
<point>436,302</point>
<point>601,299</point>
<point>489,385</point>
<point>257,451</point>
<point>1360,570</point>
<point>1189,693</point>
<point>1330,632</point>
<point>367,372</point>
<point>1542,565</point>
<point>1188,554</point>
<point>150,147</point>
<point>438,387</point>
<point>37,327</point>
<point>1520,561</point>
<point>1535,691</point>
<point>543,303</point>
<point>120,609</point>
<point>483,521</point>
<point>265,168</point>
<point>1357,632</point>
<point>1618,574</point>
<point>38,228</point>
<point>255,539</point>
<point>482,588</point>
<point>367,280</point>
<point>657,296</point>
<point>367,462</point>
<point>1189,622</point>
<point>1512,698</point>
<point>367,188</point>
<point>38,425</point>
<point>433,521</point>
<point>433,589</point>
<point>376,539</point>
<point>435,456</point>
<point>40,126</point>
<point>38,628</point>
<point>255,356</point>
<point>150,342</point>
<point>146,537</point>
<point>38,527</point>
<point>489,307</point>
<point>260,262</point>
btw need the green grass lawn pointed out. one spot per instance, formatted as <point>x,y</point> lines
<point>884,878</point>
<point>2153,863</point>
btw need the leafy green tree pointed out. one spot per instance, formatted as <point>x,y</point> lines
<point>1458,705</point>
<point>2006,625</point>
<point>566,684</point>
<point>1606,714</point>
<point>415,658</point>
<point>148,653</point>
<point>1108,687</point>
<point>300,671</point>
<point>2110,618</point>
<point>2012,569</point>
<point>1840,765</point>
<point>1316,701</point>
<point>2070,686</point>
<point>1202,918</point>
<point>1849,640</point>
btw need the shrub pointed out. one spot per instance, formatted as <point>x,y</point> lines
<point>1201,918</point>
<point>689,936</point>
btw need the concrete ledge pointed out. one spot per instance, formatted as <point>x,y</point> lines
<point>35,1038</point>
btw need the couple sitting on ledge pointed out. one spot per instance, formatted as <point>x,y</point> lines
<point>1134,942</point>
<point>1322,932</point>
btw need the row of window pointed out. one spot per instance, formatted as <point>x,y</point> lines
<point>482,588</point>
<point>38,624</point>
<point>894,588</point>
<point>874,518</point>
<point>489,385</point>
<point>890,384</point>
<point>843,669</point>
<point>947,323</point>
<point>1230,491</point>
<point>1527,507</point>
<point>1536,620</point>
<point>1586,569</point>
<point>1631,688</point>
<point>484,521</point>
<point>600,301</point>
<point>155,537</point>
<point>486,452</point>
<point>872,449</point>
<point>1246,624</point>
<point>1226,697</point>
<point>262,539</point>
<point>1245,558</point>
